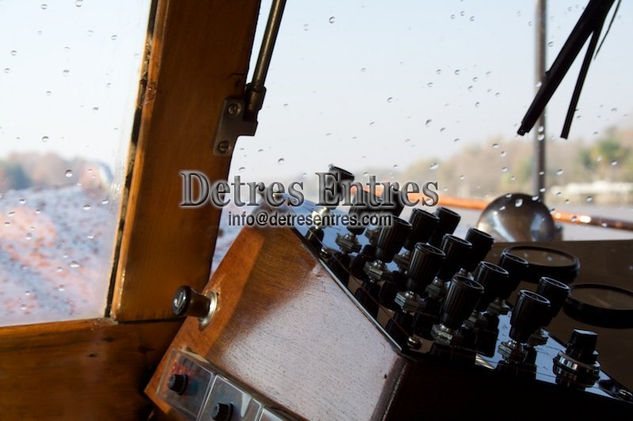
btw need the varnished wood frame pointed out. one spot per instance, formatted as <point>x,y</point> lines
<point>96,369</point>
<point>200,54</point>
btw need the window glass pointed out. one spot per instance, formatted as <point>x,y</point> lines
<point>435,91</point>
<point>69,74</point>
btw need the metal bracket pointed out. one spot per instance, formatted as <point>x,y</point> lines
<point>232,125</point>
<point>239,115</point>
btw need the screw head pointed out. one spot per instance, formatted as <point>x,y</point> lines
<point>233,109</point>
<point>223,146</point>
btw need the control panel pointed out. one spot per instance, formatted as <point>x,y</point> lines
<point>190,385</point>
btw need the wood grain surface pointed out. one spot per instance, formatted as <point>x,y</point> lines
<point>200,53</point>
<point>80,370</point>
<point>286,329</point>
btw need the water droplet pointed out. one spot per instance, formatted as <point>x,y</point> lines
<point>281,161</point>
<point>567,201</point>
<point>457,71</point>
<point>260,150</point>
<point>48,93</point>
<point>614,109</point>
<point>86,207</point>
<point>574,218</point>
<point>502,153</point>
<point>559,171</point>
<point>68,173</point>
<point>472,18</point>
<point>7,70</point>
<point>434,166</point>
<point>535,198</point>
<point>407,140</point>
<point>456,139</point>
<point>14,52</point>
<point>105,201</point>
<point>614,163</point>
<point>241,169</point>
<point>73,264</point>
<point>504,169</point>
<point>95,108</point>
<point>65,72</point>
<point>495,145</point>
<point>513,179</point>
<point>589,199</point>
<point>389,99</point>
<point>452,16</point>
<point>332,19</point>
<point>502,208</point>
<point>28,236</point>
<point>438,71</point>
<point>44,139</point>
<point>518,203</point>
<point>395,165</point>
<point>428,122</point>
<point>60,288</point>
<point>540,137</point>
<point>477,104</point>
<point>430,84</point>
<point>542,189</point>
<point>599,158</point>
<point>78,3</point>
<point>603,225</point>
<point>442,129</point>
<point>363,69</point>
<point>550,43</point>
<point>44,6</point>
<point>461,177</point>
<point>113,37</point>
<point>538,84</point>
<point>60,269</point>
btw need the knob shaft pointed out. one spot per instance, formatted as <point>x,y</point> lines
<point>460,301</point>
<point>423,225</point>
<point>494,280</point>
<point>448,221</point>
<point>360,206</point>
<point>391,239</point>
<point>530,313</point>
<point>516,267</point>
<point>481,245</point>
<point>556,292</point>
<point>456,250</point>
<point>426,261</point>
<point>188,302</point>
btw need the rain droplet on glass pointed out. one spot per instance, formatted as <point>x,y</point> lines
<point>44,139</point>
<point>280,161</point>
<point>332,19</point>
<point>434,166</point>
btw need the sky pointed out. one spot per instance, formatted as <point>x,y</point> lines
<point>356,83</point>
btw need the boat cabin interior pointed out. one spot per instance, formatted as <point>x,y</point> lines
<point>360,210</point>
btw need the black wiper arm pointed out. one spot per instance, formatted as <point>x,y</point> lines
<point>590,23</point>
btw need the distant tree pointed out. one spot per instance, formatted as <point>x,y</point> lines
<point>13,176</point>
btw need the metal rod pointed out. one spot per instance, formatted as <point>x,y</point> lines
<point>268,44</point>
<point>539,71</point>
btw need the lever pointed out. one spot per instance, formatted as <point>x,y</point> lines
<point>448,221</point>
<point>481,245</point>
<point>423,224</point>
<point>460,301</point>
<point>556,292</point>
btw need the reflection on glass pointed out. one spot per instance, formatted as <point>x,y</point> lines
<point>68,89</point>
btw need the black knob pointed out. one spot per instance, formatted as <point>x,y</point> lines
<point>342,179</point>
<point>360,206</point>
<point>582,346</point>
<point>448,221</point>
<point>423,224</point>
<point>556,292</point>
<point>392,202</point>
<point>178,383</point>
<point>482,243</point>
<point>494,280</point>
<point>188,302</point>
<point>222,411</point>
<point>456,250</point>
<point>426,261</point>
<point>516,267</point>
<point>530,313</point>
<point>391,239</point>
<point>460,301</point>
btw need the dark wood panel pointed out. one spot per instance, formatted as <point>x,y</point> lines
<point>287,330</point>
<point>80,370</point>
<point>200,52</point>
